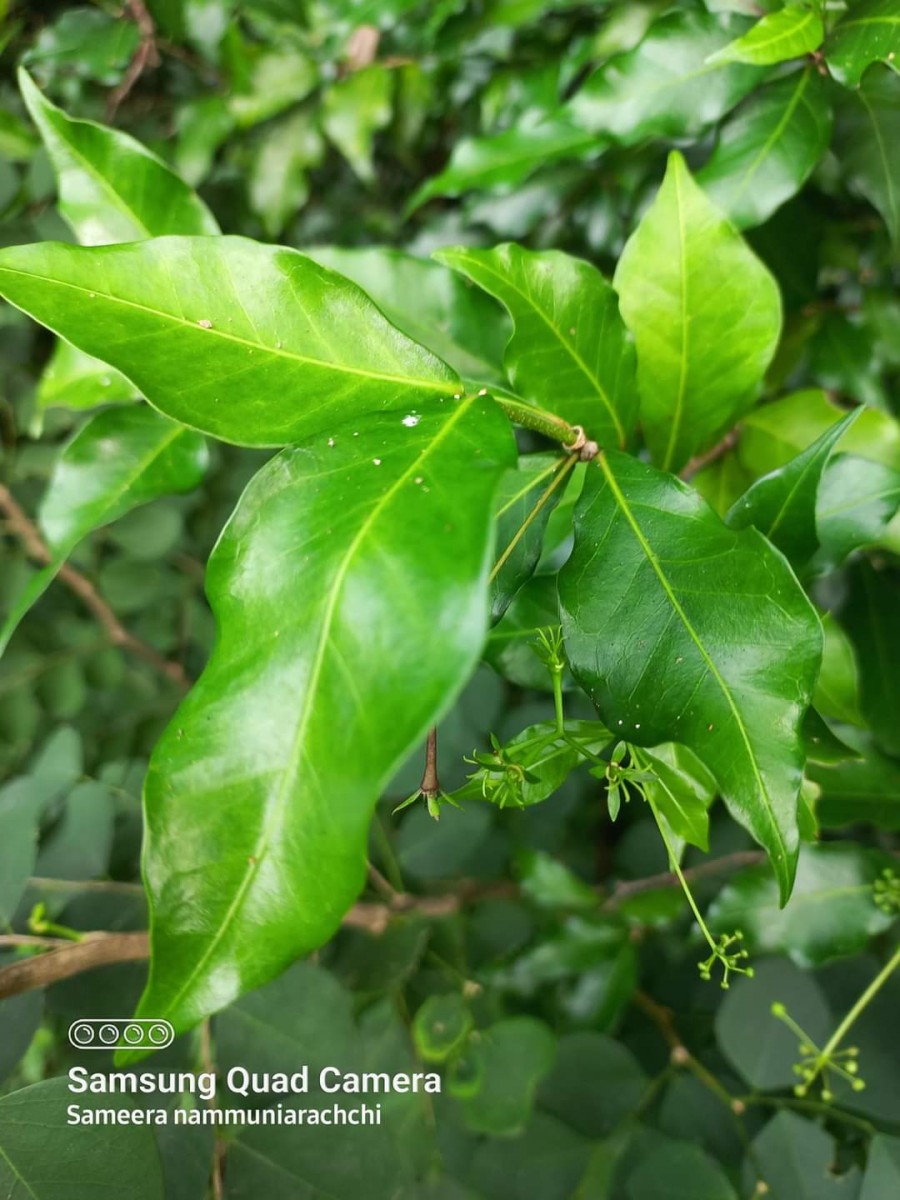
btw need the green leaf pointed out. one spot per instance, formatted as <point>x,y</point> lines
<point>266,367</point>
<point>569,352</point>
<point>869,32</point>
<point>787,33</point>
<point>681,790</point>
<point>594,1085</point>
<point>75,380</point>
<point>21,1019</point>
<point>660,602</point>
<point>87,44</point>
<point>782,505</point>
<point>259,794</point>
<point>866,791</point>
<point>21,804</point>
<point>111,188</point>
<point>837,688</point>
<point>86,1161</point>
<point>277,79</point>
<point>429,303</point>
<point>279,184</point>
<point>550,884</point>
<point>79,845</point>
<point>767,150</point>
<point>121,458</point>
<point>883,1172</point>
<point>506,159</point>
<point>869,615</point>
<point>796,1159</point>
<point>666,86</point>
<point>858,501</point>
<point>673,1170</point>
<point>705,314</point>
<point>511,645</point>
<point>525,499</point>
<point>509,1060</point>
<point>831,914</point>
<point>353,111</point>
<point>866,132</point>
<point>759,1046</point>
<point>440,1026</point>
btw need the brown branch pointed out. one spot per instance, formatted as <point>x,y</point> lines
<point>36,548</point>
<point>430,787</point>
<point>101,949</point>
<point>146,55</point>
<point>696,465</point>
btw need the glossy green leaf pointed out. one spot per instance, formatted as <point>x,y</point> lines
<point>857,506</point>
<point>767,150</point>
<point>279,348</point>
<point>73,379</point>
<point>121,458</point>
<point>509,1060</point>
<point>786,33</point>
<point>525,499</point>
<point>831,913</point>
<point>870,616</point>
<point>882,1176</point>
<point>681,790</point>
<point>661,641</point>
<point>837,688</point>
<point>259,794</point>
<point>507,159</point>
<point>782,505</point>
<point>666,86</point>
<point>353,111</point>
<point>510,647</point>
<point>569,352</point>
<point>866,134</point>
<point>868,32</point>
<point>429,303</point>
<point>86,1161</point>
<point>111,188</point>
<point>705,314</point>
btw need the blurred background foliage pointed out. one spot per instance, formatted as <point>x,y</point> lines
<point>583,1056</point>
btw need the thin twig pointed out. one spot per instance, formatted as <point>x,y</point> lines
<point>696,465</point>
<point>62,962</point>
<point>667,879</point>
<point>146,55</point>
<point>36,548</point>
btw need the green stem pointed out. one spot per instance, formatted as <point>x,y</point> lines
<point>864,1000</point>
<point>538,419</point>
<point>556,677</point>
<point>676,870</point>
<point>561,471</point>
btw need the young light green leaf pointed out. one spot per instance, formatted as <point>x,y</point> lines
<point>507,159</point>
<point>569,352</point>
<point>767,150</point>
<point>832,912</point>
<point>681,790</point>
<point>525,499</point>
<point>866,135</point>
<point>75,380</point>
<point>259,794</point>
<point>111,188</point>
<point>786,33</point>
<point>666,86</point>
<point>782,505</point>
<point>705,314</point>
<point>121,458</point>
<point>661,605</point>
<point>869,32</point>
<point>275,347</point>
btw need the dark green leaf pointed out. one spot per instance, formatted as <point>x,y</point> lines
<point>550,884</point>
<point>867,130</point>
<point>858,501</point>
<point>831,914</point>
<point>511,646</point>
<point>786,33</point>
<point>569,352</point>
<point>278,347</point>
<point>441,1025</point>
<point>882,1176</point>
<point>42,1157</point>
<point>79,845</point>
<point>20,1017</point>
<point>796,1157</point>
<point>21,805</point>
<point>660,642</point>
<point>270,769</point>
<point>705,314</point>
<point>666,86</point>
<point>678,1171</point>
<point>837,688</point>
<point>594,1084</point>
<point>681,790</point>
<point>869,32</point>
<point>782,505</point>
<point>870,616</point>
<point>861,792</point>
<point>767,150</point>
<point>509,1060</point>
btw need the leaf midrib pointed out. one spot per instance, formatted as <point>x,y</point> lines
<point>279,803</point>
<point>625,509</point>
<point>772,140</point>
<point>292,356</point>
<point>751,43</point>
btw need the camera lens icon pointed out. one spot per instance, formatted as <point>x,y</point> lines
<point>121,1034</point>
